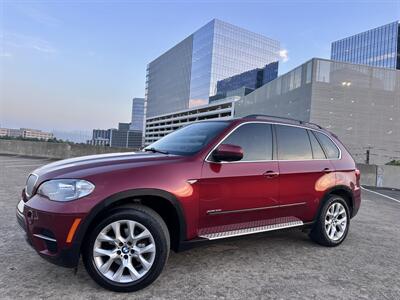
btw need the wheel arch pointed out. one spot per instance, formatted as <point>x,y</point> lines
<point>163,202</point>
<point>340,190</point>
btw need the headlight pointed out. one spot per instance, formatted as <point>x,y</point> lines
<point>65,189</point>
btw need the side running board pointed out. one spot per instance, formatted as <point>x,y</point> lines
<point>250,230</point>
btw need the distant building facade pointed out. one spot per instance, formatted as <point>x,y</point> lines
<point>360,104</point>
<point>3,131</point>
<point>378,47</point>
<point>100,137</point>
<point>186,75</point>
<point>26,133</point>
<point>123,137</point>
<point>36,134</point>
<point>137,120</point>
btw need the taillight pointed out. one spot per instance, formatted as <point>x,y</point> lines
<point>358,177</point>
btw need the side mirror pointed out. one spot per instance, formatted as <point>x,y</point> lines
<point>227,152</point>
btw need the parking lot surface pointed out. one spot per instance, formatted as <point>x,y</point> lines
<point>277,265</point>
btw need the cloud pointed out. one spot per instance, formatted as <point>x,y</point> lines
<point>14,40</point>
<point>284,55</point>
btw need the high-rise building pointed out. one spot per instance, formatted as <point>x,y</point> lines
<point>378,47</point>
<point>137,121</point>
<point>186,75</point>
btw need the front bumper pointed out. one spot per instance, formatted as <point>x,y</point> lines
<point>21,218</point>
<point>47,234</point>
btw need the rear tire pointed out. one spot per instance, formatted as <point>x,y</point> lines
<point>333,222</point>
<point>127,250</point>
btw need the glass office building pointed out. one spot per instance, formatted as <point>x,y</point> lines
<point>378,47</point>
<point>137,120</point>
<point>186,75</point>
<point>252,79</point>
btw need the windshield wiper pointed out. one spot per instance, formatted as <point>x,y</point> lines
<point>155,150</point>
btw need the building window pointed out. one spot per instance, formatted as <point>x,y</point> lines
<point>323,71</point>
<point>309,72</point>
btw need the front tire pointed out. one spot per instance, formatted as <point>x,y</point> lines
<point>128,249</point>
<point>333,222</point>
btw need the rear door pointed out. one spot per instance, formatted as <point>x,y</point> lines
<point>243,191</point>
<point>304,171</point>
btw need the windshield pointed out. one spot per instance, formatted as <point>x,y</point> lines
<point>189,139</point>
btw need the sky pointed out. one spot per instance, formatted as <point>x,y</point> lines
<point>76,65</point>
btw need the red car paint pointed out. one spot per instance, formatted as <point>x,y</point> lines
<point>197,188</point>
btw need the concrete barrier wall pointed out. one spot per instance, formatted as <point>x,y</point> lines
<point>368,174</point>
<point>381,176</point>
<point>388,176</point>
<point>53,150</point>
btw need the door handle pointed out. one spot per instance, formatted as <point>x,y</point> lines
<point>271,174</point>
<point>327,170</point>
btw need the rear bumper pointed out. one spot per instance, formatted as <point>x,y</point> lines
<point>47,234</point>
<point>356,201</point>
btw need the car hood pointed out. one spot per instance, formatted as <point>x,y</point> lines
<point>78,164</point>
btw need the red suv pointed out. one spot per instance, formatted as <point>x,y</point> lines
<point>209,180</point>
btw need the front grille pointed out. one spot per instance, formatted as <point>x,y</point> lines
<point>30,184</point>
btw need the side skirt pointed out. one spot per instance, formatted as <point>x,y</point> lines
<point>203,241</point>
<point>251,230</point>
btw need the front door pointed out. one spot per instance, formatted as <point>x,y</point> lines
<point>239,193</point>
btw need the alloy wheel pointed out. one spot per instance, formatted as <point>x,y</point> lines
<point>124,251</point>
<point>335,221</point>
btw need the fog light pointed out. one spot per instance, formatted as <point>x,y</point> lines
<point>20,206</point>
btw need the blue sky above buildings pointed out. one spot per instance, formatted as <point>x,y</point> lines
<point>77,64</point>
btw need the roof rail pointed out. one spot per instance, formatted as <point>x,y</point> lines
<point>268,117</point>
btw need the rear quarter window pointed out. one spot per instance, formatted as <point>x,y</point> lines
<point>331,150</point>
<point>318,153</point>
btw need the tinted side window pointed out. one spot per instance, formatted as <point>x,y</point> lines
<point>330,148</point>
<point>255,139</point>
<point>318,153</point>
<point>293,143</point>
